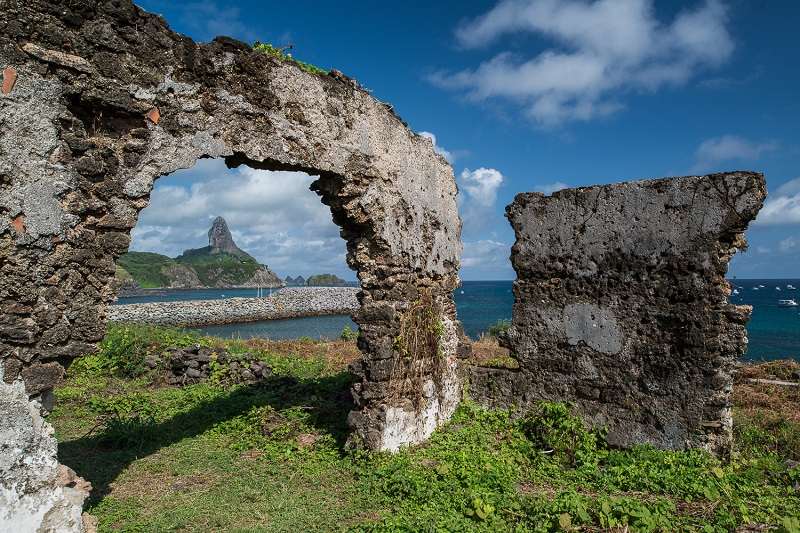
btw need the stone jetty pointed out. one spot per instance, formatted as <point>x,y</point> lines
<point>285,303</point>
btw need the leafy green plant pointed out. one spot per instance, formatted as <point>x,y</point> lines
<point>125,347</point>
<point>479,509</point>
<point>266,48</point>
<point>553,429</point>
<point>499,328</point>
<point>348,334</point>
<point>127,421</point>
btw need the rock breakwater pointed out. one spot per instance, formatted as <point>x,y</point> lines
<point>285,303</point>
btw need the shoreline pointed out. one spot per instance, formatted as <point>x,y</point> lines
<point>294,302</point>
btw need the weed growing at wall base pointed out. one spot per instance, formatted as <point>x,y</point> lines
<point>271,457</point>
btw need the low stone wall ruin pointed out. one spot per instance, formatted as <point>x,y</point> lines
<point>291,302</point>
<point>621,307</point>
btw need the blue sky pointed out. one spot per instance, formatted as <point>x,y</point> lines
<point>522,95</point>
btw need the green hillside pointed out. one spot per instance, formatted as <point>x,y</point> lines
<point>219,268</point>
<point>221,264</point>
<point>146,268</point>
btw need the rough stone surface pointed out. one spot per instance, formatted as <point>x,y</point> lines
<point>36,493</point>
<point>80,148</point>
<point>621,306</point>
<point>285,303</point>
<point>193,364</point>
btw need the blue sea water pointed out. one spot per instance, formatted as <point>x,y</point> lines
<point>774,331</point>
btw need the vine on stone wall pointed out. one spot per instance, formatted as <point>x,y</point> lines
<point>418,351</point>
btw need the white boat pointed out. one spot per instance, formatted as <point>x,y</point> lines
<point>735,291</point>
<point>760,286</point>
<point>777,288</point>
<point>791,287</point>
<point>787,303</point>
<point>755,288</point>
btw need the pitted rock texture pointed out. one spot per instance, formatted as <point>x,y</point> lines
<point>196,363</point>
<point>106,99</point>
<point>36,493</point>
<point>621,306</point>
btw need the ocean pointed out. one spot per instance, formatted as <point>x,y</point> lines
<point>774,331</point>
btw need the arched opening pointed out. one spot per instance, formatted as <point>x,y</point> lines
<point>211,233</point>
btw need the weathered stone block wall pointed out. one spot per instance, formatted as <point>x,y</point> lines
<point>98,99</point>
<point>621,306</point>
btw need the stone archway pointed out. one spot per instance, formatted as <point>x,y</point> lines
<point>98,100</point>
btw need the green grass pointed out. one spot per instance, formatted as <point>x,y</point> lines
<point>145,268</point>
<point>272,457</point>
<point>266,48</point>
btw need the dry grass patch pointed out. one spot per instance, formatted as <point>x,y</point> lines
<point>337,353</point>
<point>486,351</point>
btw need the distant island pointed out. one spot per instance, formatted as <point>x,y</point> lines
<point>221,264</point>
<point>318,280</point>
<point>299,281</point>
<point>326,280</point>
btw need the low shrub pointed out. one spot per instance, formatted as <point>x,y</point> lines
<point>499,328</point>
<point>348,334</point>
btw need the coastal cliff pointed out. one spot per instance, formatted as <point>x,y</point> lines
<point>221,264</point>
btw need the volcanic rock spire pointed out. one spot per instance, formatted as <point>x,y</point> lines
<point>220,239</point>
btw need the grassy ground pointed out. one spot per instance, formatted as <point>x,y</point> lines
<point>272,457</point>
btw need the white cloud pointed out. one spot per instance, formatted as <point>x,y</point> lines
<point>716,150</point>
<point>780,210</point>
<point>601,49</point>
<point>782,207</point>
<point>790,188</point>
<point>487,255</point>
<point>550,188</point>
<point>272,215</point>
<point>481,185</point>
<point>788,244</point>
<point>439,149</point>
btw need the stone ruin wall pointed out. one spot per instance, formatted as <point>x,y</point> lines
<point>621,307</point>
<point>621,302</point>
<point>98,100</point>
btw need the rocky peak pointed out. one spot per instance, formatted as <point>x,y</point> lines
<point>220,239</point>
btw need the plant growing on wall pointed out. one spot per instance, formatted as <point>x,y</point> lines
<point>418,351</point>
<point>280,53</point>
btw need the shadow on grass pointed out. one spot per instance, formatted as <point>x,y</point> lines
<point>327,400</point>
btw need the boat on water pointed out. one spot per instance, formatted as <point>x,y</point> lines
<point>760,286</point>
<point>787,303</point>
<point>777,288</point>
<point>735,291</point>
<point>791,287</point>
